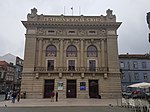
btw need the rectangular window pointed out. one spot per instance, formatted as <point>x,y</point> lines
<point>50,65</point>
<point>92,65</point>
<point>135,65</point>
<point>128,65</point>
<point>71,31</point>
<point>145,77</point>
<point>136,76</point>
<point>51,31</point>
<point>123,76</point>
<point>122,65</point>
<point>71,65</point>
<point>143,64</point>
<point>92,32</point>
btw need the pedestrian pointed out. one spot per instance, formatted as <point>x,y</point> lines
<point>6,93</point>
<point>14,95</point>
<point>56,96</point>
<point>52,94</point>
<point>24,94</point>
<point>18,96</point>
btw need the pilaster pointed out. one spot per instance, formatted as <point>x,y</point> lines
<point>103,53</point>
<point>40,52</point>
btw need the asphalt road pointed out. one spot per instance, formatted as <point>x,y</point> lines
<point>65,109</point>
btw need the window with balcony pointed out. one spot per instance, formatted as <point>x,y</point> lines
<point>51,51</point>
<point>91,51</point>
<point>122,64</point>
<point>135,65</point>
<point>71,65</point>
<point>136,76</point>
<point>123,76</point>
<point>92,65</point>
<point>145,77</point>
<point>128,64</point>
<point>50,65</point>
<point>71,51</point>
<point>143,64</point>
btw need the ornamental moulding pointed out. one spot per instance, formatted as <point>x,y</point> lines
<point>47,24</point>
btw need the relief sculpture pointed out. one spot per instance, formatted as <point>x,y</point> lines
<point>33,15</point>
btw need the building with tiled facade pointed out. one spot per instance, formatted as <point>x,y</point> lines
<point>74,55</point>
<point>135,69</point>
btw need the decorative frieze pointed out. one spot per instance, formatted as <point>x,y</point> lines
<point>41,31</point>
<point>67,32</point>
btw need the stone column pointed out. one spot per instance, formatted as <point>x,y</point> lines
<point>103,52</point>
<point>40,53</point>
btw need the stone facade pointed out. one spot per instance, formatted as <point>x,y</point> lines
<point>74,55</point>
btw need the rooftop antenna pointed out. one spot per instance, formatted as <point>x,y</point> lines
<point>72,10</point>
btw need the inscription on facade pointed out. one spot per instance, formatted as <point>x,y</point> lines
<point>75,19</point>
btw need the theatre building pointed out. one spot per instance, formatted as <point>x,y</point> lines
<point>74,55</point>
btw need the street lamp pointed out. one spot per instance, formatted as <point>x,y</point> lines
<point>148,22</point>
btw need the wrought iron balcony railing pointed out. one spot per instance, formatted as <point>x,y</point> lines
<point>74,69</point>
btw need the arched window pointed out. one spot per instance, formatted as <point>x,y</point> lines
<point>71,51</point>
<point>92,51</point>
<point>51,50</point>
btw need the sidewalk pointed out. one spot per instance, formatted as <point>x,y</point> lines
<point>61,102</point>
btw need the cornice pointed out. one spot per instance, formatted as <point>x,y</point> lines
<point>114,25</point>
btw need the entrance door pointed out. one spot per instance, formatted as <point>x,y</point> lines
<point>93,89</point>
<point>71,89</point>
<point>48,88</point>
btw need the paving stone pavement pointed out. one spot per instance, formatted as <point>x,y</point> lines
<point>61,102</point>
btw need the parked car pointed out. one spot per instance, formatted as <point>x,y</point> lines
<point>138,94</point>
<point>126,94</point>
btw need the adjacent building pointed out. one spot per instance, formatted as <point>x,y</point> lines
<point>16,62</point>
<point>7,75</point>
<point>135,68</point>
<point>18,76</point>
<point>74,55</point>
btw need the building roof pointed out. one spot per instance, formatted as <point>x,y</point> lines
<point>3,63</point>
<point>134,56</point>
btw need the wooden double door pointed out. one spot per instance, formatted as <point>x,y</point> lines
<point>93,89</point>
<point>48,87</point>
<point>71,91</point>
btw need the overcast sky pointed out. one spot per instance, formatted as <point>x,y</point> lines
<point>133,33</point>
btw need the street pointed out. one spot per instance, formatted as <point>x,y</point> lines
<point>64,109</point>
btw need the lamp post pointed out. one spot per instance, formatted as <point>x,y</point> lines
<point>148,22</point>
